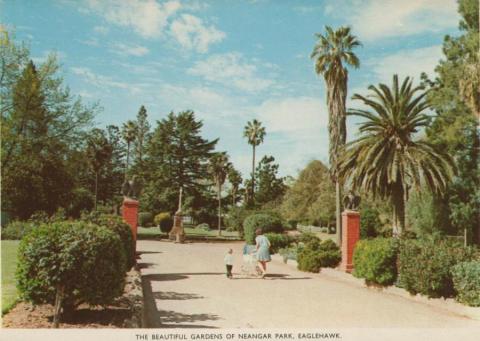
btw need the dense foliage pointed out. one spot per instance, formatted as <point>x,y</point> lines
<point>278,241</point>
<point>375,260</point>
<point>266,222</point>
<point>316,255</point>
<point>164,220</point>
<point>425,266</point>
<point>83,261</point>
<point>370,223</point>
<point>16,230</point>
<point>145,219</point>
<point>466,281</point>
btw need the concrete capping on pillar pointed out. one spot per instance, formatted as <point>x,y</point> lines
<point>350,236</point>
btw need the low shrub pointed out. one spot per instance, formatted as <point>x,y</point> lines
<point>278,241</point>
<point>425,266</point>
<point>466,281</point>
<point>164,220</point>
<point>203,226</point>
<point>16,230</point>
<point>307,237</point>
<point>375,260</point>
<point>81,262</point>
<point>268,223</point>
<point>235,218</point>
<point>145,219</point>
<point>316,254</point>
<point>121,228</point>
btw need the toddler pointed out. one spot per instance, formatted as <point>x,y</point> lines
<point>229,262</point>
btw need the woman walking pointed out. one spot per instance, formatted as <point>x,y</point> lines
<point>263,251</point>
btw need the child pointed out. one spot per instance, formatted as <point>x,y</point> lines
<point>229,262</point>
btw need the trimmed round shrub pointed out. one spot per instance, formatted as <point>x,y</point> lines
<point>268,223</point>
<point>164,220</point>
<point>145,219</point>
<point>425,265</point>
<point>85,261</point>
<point>278,241</point>
<point>307,237</point>
<point>316,254</point>
<point>121,228</point>
<point>16,230</point>
<point>375,260</point>
<point>466,281</point>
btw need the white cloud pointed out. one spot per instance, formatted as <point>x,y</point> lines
<point>231,69</point>
<point>101,29</point>
<point>406,63</point>
<point>129,50</point>
<point>392,18</point>
<point>103,82</point>
<point>147,17</point>
<point>192,34</point>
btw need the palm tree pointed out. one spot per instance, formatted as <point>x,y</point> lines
<point>330,52</point>
<point>235,178</point>
<point>255,133</point>
<point>219,167</point>
<point>129,133</point>
<point>386,160</point>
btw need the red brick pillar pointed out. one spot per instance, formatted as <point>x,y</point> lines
<point>130,215</point>
<point>350,236</point>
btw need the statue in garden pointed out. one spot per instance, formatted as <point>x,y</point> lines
<point>177,233</point>
<point>131,189</point>
<point>351,201</point>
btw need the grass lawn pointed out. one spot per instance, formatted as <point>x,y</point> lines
<point>9,263</point>
<point>144,232</point>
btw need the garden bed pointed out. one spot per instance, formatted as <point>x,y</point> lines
<point>126,312</point>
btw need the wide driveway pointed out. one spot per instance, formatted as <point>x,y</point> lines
<point>185,287</point>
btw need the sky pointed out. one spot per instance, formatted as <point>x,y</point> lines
<point>229,61</point>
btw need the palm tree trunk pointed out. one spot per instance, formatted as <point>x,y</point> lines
<point>128,156</point>
<point>96,189</point>
<point>219,209</point>
<point>338,214</point>
<point>253,176</point>
<point>398,201</point>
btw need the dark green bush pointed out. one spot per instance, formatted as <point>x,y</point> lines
<point>121,228</point>
<point>15,230</point>
<point>307,237</point>
<point>235,218</point>
<point>145,219</point>
<point>164,220</point>
<point>267,222</point>
<point>375,260</point>
<point>466,281</point>
<point>278,241</point>
<point>370,223</point>
<point>425,266</point>
<point>316,254</point>
<point>85,260</point>
<point>82,200</point>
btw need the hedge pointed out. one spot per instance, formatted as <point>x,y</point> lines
<point>466,281</point>
<point>85,260</point>
<point>375,260</point>
<point>278,241</point>
<point>315,255</point>
<point>16,230</point>
<point>425,266</point>
<point>267,222</point>
<point>145,219</point>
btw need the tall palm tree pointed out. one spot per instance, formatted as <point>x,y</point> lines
<point>219,167</point>
<point>386,160</point>
<point>235,179</point>
<point>129,133</point>
<point>330,52</point>
<point>255,133</point>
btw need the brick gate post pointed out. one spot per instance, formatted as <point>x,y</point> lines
<point>350,236</point>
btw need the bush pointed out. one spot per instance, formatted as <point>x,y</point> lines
<point>145,219</point>
<point>85,260</point>
<point>466,281</point>
<point>375,260</point>
<point>425,266</point>
<point>82,200</point>
<point>290,252</point>
<point>315,255</point>
<point>121,228</point>
<point>235,218</point>
<point>370,223</point>
<point>307,237</point>
<point>278,241</point>
<point>16,230</point>
<point>165,221</point>
<point>267,222</point>
<point>203,226</point>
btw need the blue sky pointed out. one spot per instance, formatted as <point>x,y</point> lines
<point>229,61</point>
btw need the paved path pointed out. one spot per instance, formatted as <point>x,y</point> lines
<point>185,287</point>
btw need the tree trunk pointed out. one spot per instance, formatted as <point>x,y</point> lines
<point>398,201</point>
<point>234,192</point>
<point>219,210</point>
<point>338,212</point>
<point>58,306</point>
<point>128,156</point>
<point>96,189</point>
<point>252,198</point>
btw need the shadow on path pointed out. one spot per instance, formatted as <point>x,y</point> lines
<point>171,295</point>
<point>270,277</point>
